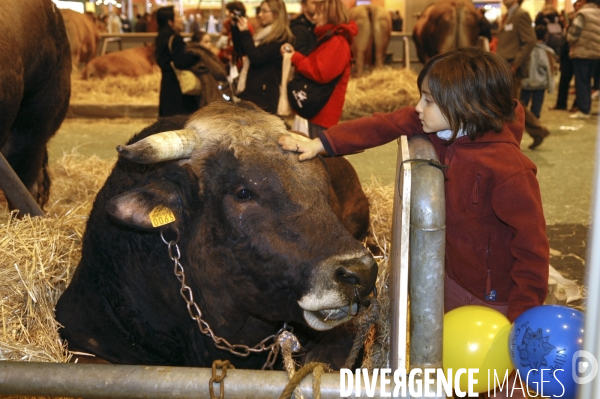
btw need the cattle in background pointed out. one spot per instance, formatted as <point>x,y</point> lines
<point>83,36</point>
<point>256,236</point>
<point>374,31</point>
<point>35,69</point>
<point>133,62</point>
<point>444,26</point>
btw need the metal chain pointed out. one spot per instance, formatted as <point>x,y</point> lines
<point>219,379</point>
<point>270,343</point>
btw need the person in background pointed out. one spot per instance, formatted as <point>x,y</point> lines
<point>114,23</point>
<point>227,54</point>
<point>125,23</point>
<point>194,23</point>
<point>541,73</point>
<point>583,36</point>
<point>303,26</point>
<point>142,23</point>
<point>516,39</point>
<point>171,100</point>
<point>566,71</point>
<point>330,59</point>
<point>260,77</point>
<point>397,21</point>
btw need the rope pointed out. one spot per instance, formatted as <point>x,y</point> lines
<point>287,348</point>
<point>366,319</point>
<point>294,384</point>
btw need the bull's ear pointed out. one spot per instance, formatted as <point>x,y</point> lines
<point>145,208</point>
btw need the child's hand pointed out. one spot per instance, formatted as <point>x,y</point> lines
<point>306,147</point>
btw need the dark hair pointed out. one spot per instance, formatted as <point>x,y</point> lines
<point>163,16</point>
<point>236,6</point>
<point>540,31</point>
<point>472,88</point>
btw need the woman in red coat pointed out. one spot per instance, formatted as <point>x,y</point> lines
<point>330,59</point>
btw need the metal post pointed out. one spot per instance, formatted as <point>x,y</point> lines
<point>15,191</point>
<point>427,256</point>
<point>120,381</point>
<point>591,341</point>
<point>406,43</point>
<point>398,268</point>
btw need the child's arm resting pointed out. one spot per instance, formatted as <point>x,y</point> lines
<point>371,131</point>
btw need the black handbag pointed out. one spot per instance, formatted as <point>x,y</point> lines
<point>306,96</point>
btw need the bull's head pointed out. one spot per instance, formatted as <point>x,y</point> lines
<point>266,215</point>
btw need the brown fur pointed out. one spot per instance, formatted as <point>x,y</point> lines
<point>133,62</point>
<point>374,32</point>
<point>444,26</point>
<point>83,37</point>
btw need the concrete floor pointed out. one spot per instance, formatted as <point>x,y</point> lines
<point>565,164</point>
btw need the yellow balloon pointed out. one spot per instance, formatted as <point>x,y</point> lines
<point>476,337</point>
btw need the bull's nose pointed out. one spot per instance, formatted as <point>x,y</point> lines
<point>359,273</point>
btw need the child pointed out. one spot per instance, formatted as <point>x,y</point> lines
<point>497,253</point>
<point>541,73</point>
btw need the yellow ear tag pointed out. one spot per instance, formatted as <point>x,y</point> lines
<point>161,215</point>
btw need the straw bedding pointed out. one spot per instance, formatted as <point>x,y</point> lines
<point>383,90</point>
<point>39,256</point>
<point>142,90</point>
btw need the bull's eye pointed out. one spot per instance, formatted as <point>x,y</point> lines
<point>243,194</point>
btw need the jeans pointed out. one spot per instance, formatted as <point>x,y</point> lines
<point>537,99</point>
<point>566,74</point>
<point>584,71</point>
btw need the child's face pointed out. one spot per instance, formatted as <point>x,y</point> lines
<point>206,42</point>
<point>431,117</point>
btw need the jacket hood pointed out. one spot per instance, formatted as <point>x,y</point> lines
<point>348,30</point>
<point>512,132</point>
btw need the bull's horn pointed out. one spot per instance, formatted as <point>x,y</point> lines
<point>165,146</point>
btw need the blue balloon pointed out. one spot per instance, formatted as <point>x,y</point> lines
<point>542,342</point>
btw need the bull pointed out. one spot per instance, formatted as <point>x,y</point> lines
<point>369,46</point>
<point>133,62</point>
<point>445,25</point>
<point>83,37</point>
<point>35,80</point>
<point>251,232</point>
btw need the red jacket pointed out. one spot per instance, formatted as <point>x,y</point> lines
<point>495,226</point>
<point>325,63</point>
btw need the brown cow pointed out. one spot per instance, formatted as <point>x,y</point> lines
<point>35,88</point>
<point>254,237</point>
<point>132,62</point>
<point>83,37</point>
<point>444,26</point>
<point>374,32</point>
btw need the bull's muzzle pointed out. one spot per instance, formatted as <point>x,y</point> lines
<point>340,287</point>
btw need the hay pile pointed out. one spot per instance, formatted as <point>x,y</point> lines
<point>384,90</point>
<point>39,256</point>
<point>116,89</point>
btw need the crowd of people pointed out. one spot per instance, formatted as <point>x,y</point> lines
<point>252,56</point>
